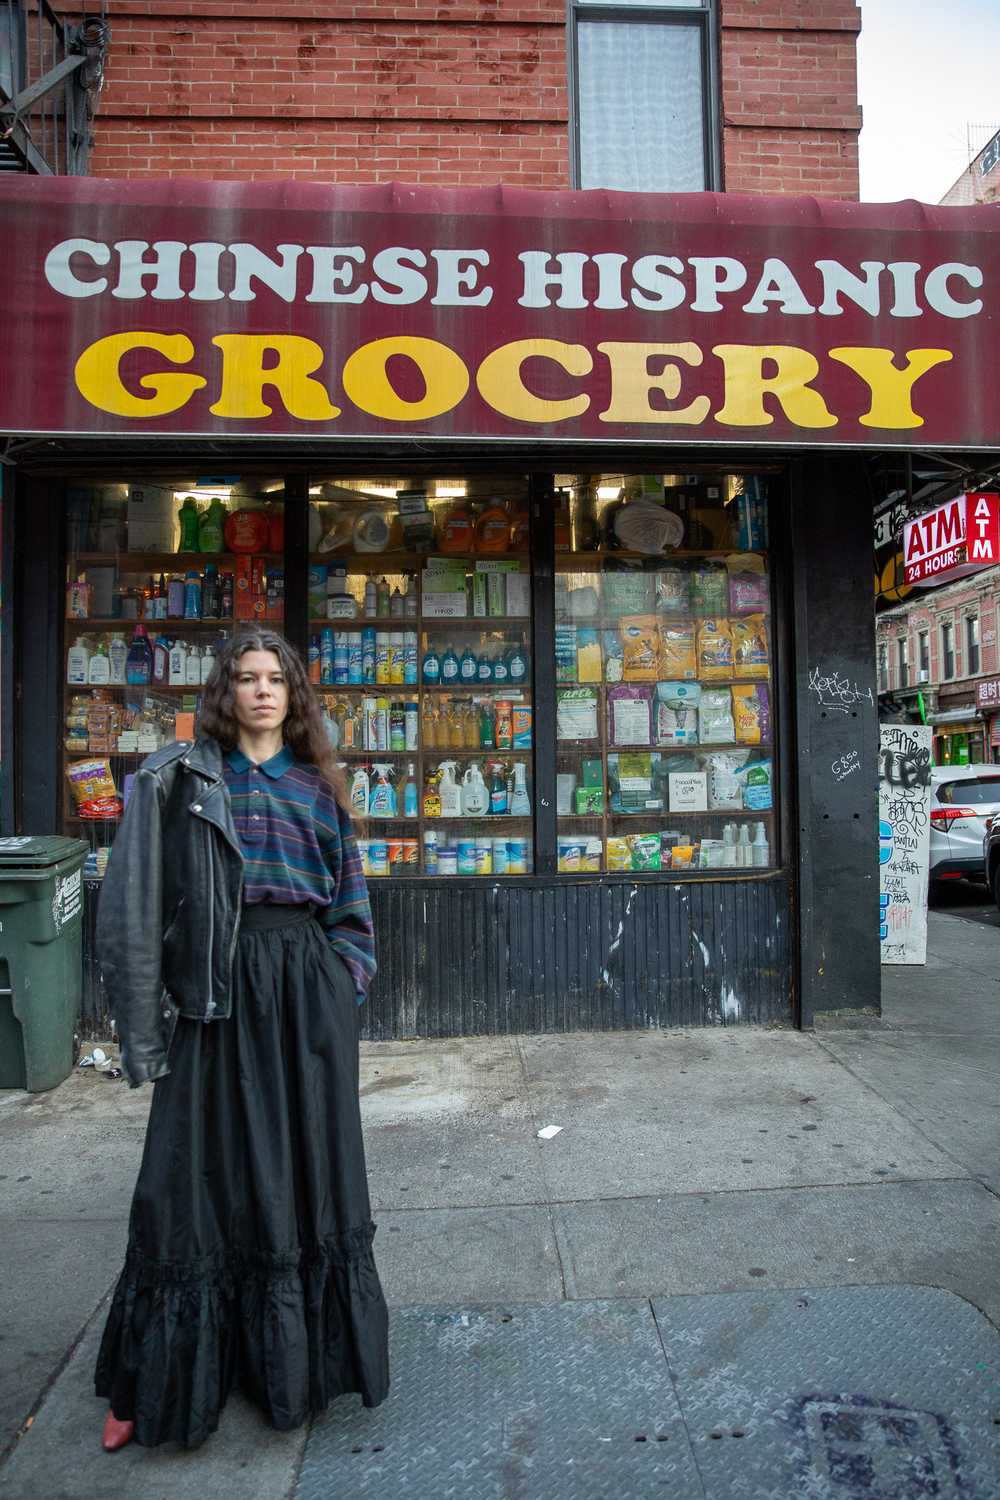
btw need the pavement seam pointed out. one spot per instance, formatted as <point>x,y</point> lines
<point>555,1231</point>
<point>677,1397</point>
<point>53,1377</point>
<point>896,1108</point>
<point>791,1187</point>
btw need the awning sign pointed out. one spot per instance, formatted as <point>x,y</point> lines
<point>960,537</point>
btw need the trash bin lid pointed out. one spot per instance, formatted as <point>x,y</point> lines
<point>32,851</point>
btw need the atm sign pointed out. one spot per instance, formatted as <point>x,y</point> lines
<point>953,540</point>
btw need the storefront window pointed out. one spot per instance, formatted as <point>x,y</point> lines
<point>159,575</point>
<point>663,665</point>
<point>420,621</point>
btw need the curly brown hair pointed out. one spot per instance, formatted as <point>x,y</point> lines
<point>304,729</point>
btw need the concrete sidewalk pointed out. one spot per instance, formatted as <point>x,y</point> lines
<point>756,1166</point>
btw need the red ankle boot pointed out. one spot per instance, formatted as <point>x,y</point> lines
<point>116,1434</point>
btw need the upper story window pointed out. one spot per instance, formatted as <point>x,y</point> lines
<point>947,650</point>
<point>883,667</point>
<point>924,655</point>
<point>644,97</point>
<point>971,645</point>
<point>903,661</point>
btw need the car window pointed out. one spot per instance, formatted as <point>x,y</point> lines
<point>973,791</point>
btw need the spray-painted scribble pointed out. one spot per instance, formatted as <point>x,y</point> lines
<point>904,805</point>
<point>837,693</point>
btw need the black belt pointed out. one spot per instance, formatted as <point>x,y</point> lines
<point>258,916</point>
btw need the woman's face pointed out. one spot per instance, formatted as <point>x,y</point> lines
<point>261,692</point>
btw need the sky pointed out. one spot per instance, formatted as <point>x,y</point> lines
<point>928,81</point>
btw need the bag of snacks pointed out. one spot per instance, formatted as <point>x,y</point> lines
<point>678,656</point>
<point>751,657</point>
<point>640,648</point>
<point>715,651</point>
<point>93,788</point>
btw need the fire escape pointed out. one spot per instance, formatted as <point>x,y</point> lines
<point>51,73</point>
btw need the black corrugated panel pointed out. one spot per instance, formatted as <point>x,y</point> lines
<point>457,959</point>
<point>462,960</point>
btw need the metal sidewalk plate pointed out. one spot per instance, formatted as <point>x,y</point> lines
<point>875,1393</point>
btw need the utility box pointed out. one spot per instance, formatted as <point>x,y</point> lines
<point>41,971</point>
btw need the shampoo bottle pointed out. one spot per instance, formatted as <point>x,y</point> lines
<point>190,520</point>
<point>178,664</point>
<point>207,663</point>
<point>117,652</point>
<point>99,667</point>
<point>192,667</point>
<point>161,660</point>
<point>211,524</point>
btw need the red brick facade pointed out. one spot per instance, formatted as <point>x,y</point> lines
<point>446,93</point>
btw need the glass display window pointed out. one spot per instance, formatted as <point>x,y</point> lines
<point>663,669</point>
<point>159,575</point>
<point>419,644</point>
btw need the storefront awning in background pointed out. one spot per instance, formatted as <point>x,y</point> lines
<point>178,308</point>
<point>952,716</point>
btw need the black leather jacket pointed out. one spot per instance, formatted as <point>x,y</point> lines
<point>169,909</point>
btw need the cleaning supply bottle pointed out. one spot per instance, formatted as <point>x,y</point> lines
<point>745,857</point>
<point>484,668</point>
<point>760,848</point>
<point>178,664</point>
<point>457,534</point>
<point>431,667</point>
<point>410,797</point>
<point>371,599</point>
<point>517,666</point>
<point>449,668</point>
<point>501,671</point>
<point>117,652</point>
<point>432,796</point>
<point>192,667</point>
<point>207,663</point>
<point>211,594</point>
<point>520,803</point>
<point>192,596</point>
<point>487,721</point>
<point>475,795</point>
<point>211,526</point>
<point>382,599</point>
<point>493,530</point>
<point>468,667</point>
<point>499,800</point>
<point>383,794</point>
<point>189,517</point>
<point>139,662</point>
<point>99,667</point>
<point>161,660</point>
<point>449,791</point>
<point>326,657</point>
<point>359,792</point>
<point>410,658</point>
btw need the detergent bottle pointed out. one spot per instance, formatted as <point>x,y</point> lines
<point>475,794</point>
<point>449,791</point>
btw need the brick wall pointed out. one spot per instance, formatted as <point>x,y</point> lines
<point>444,91</point>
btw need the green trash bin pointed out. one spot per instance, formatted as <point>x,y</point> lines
<point>41,969</point>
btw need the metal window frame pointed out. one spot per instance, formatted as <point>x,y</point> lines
<point>706,17</point>
<point>944,625</point>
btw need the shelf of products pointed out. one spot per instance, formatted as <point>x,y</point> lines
<point>663,670</point>
<point>158,577</point>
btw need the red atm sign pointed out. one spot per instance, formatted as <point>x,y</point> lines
<point>960,537</point>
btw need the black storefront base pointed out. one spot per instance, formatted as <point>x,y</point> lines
<point>479,957</point>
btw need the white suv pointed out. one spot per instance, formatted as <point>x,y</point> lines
<point>962,798</point>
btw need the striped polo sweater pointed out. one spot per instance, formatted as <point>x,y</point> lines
<point>298,847</point>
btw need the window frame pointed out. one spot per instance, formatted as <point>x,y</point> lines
<point>704,15</point>
<point>883,666</point>
<point>924,653</point>
<point>972,620</point>
<point>903,660</point>
<point>948,650</point>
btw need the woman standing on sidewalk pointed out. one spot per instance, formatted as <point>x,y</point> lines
<point>235,938</point>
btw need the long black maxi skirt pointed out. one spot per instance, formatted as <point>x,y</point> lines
<point>249,1258</point>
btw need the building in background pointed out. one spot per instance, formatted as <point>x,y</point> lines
<point>939,663</point>
<point>726,94</point>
